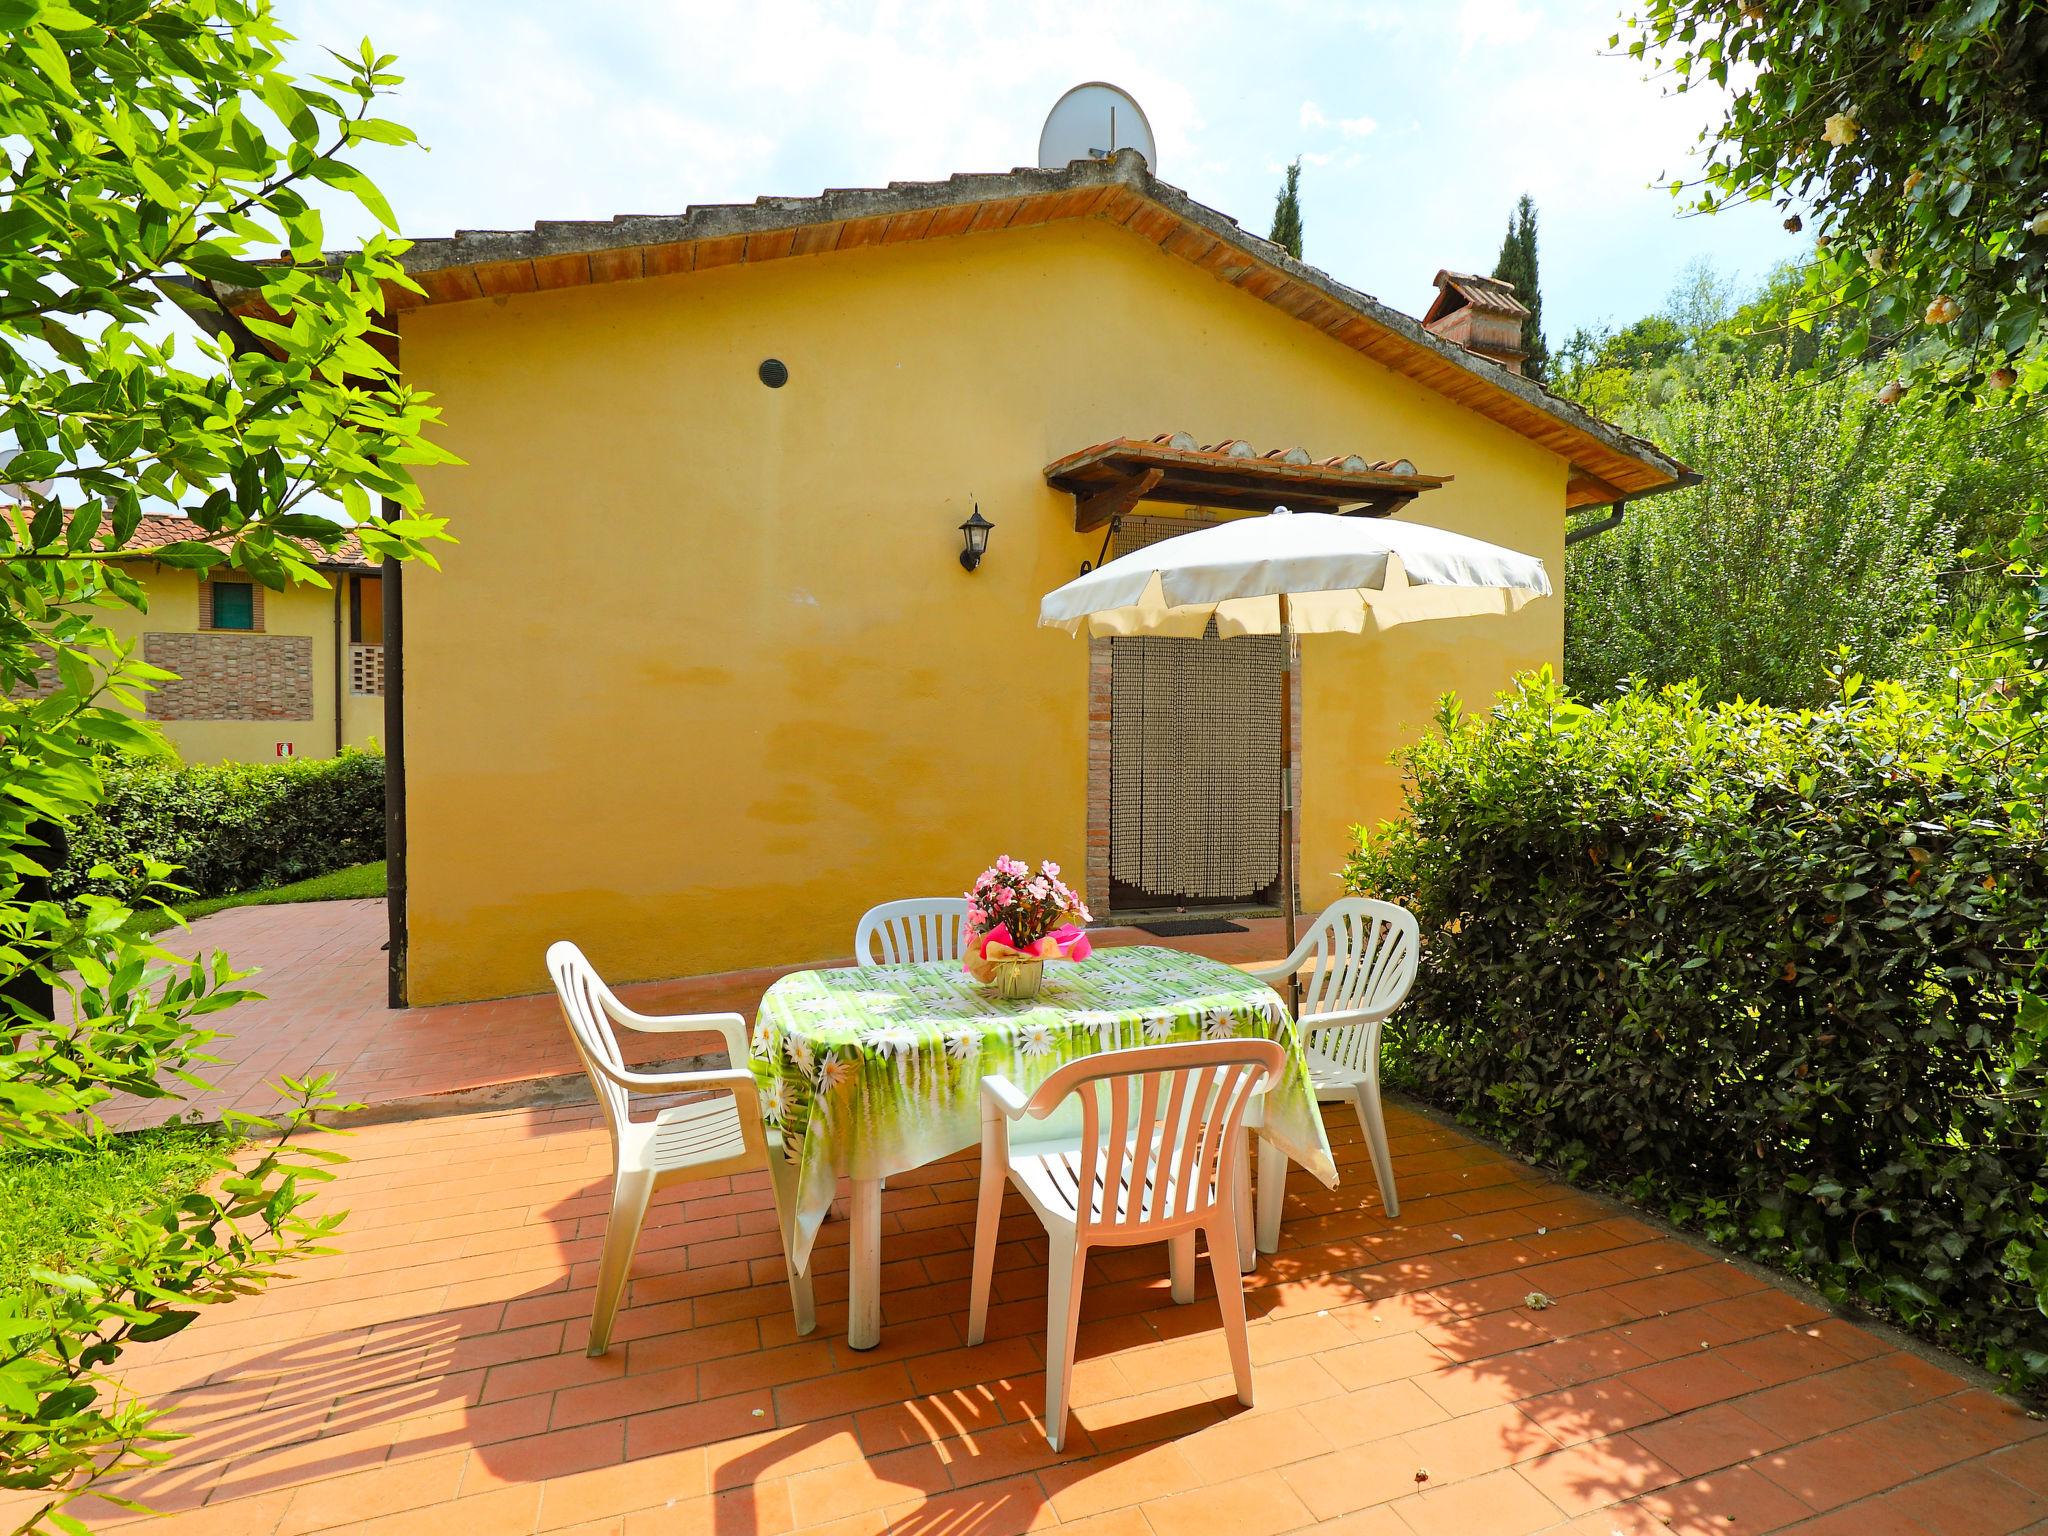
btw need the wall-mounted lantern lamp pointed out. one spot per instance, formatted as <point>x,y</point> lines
<point>975,532</point>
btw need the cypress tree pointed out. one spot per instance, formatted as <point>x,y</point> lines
<point>1287,213</point>
<point>1517,265</point>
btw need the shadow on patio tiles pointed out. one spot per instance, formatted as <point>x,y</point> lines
<point>434,1371</point>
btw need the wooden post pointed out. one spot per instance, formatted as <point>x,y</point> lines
<point>395,988</point>
<point>1287,770</point>
<point>341,582</point>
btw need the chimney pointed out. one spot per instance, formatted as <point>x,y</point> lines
<point>1481,314</point>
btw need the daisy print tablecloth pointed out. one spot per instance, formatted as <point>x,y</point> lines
<point>877,1070</point>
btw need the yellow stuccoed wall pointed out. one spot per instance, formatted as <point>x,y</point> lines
<point>703,678</point>
<point>300,610</point>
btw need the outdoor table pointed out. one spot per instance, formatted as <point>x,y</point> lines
<point>877,1070</point>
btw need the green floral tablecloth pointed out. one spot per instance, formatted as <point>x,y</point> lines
<point>877,1070</point>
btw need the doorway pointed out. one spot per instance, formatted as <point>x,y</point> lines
<point>1194,739</point>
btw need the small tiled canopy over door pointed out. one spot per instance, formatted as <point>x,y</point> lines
<point>1194,786</point>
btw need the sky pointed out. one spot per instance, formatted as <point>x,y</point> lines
<point>1418,124</point>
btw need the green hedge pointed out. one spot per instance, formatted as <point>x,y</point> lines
<point>1765,970</point>
<point>231,826</point>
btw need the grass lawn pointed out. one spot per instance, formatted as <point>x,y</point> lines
<point>357,880</point>
<point>55,1206</point>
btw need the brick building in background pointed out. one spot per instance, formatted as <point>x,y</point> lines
<point>262,675</point>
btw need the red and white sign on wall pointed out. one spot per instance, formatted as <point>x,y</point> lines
<point>287,749</point>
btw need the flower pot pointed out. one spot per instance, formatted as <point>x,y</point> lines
<point>1018,979</point>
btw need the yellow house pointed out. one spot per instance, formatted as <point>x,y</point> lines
<point>262,675</point>
<point>706,675</point>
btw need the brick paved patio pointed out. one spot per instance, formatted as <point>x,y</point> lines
<point>321,968</point>
<point>430,1377</point>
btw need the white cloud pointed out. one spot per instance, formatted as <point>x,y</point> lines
<point>1491,23</point>
<point>645,106</point>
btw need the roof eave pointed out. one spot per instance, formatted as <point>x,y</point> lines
<point>1079,189</point>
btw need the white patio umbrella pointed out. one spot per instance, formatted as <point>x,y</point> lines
<point>1295,573</point>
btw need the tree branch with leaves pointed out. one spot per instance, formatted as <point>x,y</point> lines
<point>153,149</point>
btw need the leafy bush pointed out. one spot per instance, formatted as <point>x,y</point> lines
<point>229,826</point>
<point>1765,968</point>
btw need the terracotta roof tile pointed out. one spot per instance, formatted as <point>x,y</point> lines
<point>158,529</point>
<point>454,269</point>
<point>1492,295</point>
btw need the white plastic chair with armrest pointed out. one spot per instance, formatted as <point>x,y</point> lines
<point>1360,958</point>
<point>1155,1162</point>
<point>707,1138</point>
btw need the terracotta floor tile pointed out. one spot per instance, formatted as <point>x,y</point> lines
<point>1782,1355</point>
<point>579,1497</point>
<point>361,1496</point>
<point>2025,1464</point>
<point>1572,1414</point>
<point>870,1482</point>
<point>1007,1451</point>
<point>761,1509</point>
<point>1118,1480</point>
<point>500,1512</point>
<point>1379,1520</point>
<point>1708,1439</point>
<point>1375,1413</point>
<point>1119,1522</point>
<point>1259,1505</point>
<point>1488,1383</point>
<point>1835,1469</point>
<point>256,1516</point>
<point>1596,1473</point>
<point>1477,1442</point>
<point>1734,1502</point>
<point>1691,1381</point>
<point>1370,1363</point>
<point>1245,1443</point>
<point>846,1391</point>
<point>1962,1501</point>
<point>1498,1504</point>
<point>430,1374</point>
<point>1006,1508</point>
<point>1145,1417</point>
<point>1354,1478</point>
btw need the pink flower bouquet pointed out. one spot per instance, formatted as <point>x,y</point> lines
<point>1017,915</point>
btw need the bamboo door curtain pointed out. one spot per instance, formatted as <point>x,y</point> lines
<point>1194,803</point>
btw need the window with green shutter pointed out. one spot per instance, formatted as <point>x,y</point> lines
<point>234,605</point>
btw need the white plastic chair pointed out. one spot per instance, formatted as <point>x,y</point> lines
<point>707,1138</point>
<point>920,930</point>
<point>1361,957</point>
<point>1156,1164</point>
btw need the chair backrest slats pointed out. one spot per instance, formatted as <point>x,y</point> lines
<point>1157,1126</point>
<point>921,930</point>
<point>1363,956</point>
<point>582,992</point>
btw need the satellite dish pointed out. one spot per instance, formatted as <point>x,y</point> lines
<point>1091,122</point>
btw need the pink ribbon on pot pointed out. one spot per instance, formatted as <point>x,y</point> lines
<point>1069,941</point>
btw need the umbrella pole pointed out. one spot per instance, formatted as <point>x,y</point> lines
<point>1287,771</point>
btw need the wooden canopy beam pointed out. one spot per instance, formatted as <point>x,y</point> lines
<point>1109,479</point>
<point>1097,508</point>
